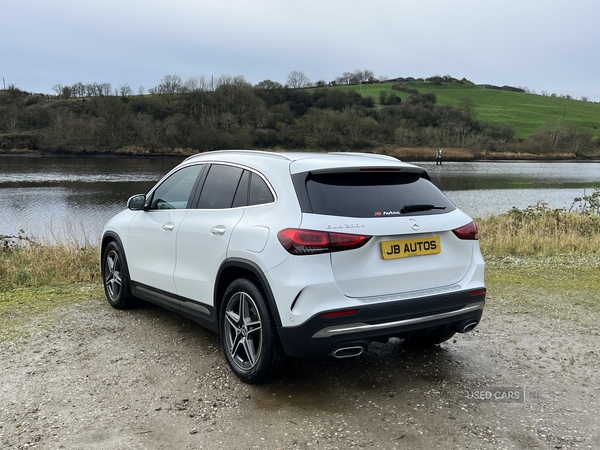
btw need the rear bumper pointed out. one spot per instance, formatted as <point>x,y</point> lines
<point>319,336</point>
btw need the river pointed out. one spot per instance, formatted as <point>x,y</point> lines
<point>61,198</point>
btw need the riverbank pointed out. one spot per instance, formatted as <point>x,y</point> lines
<point>403,153</point>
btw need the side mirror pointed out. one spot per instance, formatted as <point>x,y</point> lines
<point>137,202</point>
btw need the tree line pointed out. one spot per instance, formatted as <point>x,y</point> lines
<point>201,114</point>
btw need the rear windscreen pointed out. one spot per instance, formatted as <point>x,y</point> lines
<point>374,194</point>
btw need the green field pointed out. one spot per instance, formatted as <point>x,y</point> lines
<point>523,112</point>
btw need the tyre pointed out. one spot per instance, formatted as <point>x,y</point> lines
<point>116,277</point>
<point>248,334</point>
<point>430,339</point>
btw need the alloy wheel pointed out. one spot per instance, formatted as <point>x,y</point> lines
<point>243,331</point>
<point>112,276</point>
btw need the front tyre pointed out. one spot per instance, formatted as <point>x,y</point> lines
<point>248,334</point>
<point>115,277</point>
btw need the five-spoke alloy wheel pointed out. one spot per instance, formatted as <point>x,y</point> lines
<point>116,277</point>
<point>248,335</point>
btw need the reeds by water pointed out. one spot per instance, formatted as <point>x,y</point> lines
<point>536,231</point>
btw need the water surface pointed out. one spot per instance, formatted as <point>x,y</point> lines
<point>60,198</point>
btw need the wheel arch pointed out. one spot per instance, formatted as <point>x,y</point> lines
<point>107,238</point>
<point>234,268</point>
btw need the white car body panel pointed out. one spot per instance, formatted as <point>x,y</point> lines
<point>151,248</point>
<point>202,243</point>
<point>181,252</point>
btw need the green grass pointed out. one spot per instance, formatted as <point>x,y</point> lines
<point>20,306</point>
<point>35,278</point>
<point>523,112</point>
<point>558,287</point>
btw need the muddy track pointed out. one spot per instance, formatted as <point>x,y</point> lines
<point>90,377</point>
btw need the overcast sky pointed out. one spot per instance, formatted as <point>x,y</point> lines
<point>544,45</point>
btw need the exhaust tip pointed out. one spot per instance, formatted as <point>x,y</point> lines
<point>469,327</point>
<point>348,352</point>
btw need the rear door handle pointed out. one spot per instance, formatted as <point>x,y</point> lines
<point>168,226</point>
<point>218,230</point>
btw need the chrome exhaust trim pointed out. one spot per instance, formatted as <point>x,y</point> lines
<point>348,352</point>
<point>468,327</point>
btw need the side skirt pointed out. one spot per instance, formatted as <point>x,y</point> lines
<point>200,313</point>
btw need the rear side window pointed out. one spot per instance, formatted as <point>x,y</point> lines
<point>374,194</point>
<point>220,187</point>
<point>259,191</point>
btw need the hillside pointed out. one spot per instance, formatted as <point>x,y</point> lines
<point>190,117</point>
<point>523,112</point>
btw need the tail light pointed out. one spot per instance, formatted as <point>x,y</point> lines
<point>467,232</point>
<point>310,242</point>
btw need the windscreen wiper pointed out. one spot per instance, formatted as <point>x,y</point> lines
<point>414,208</point>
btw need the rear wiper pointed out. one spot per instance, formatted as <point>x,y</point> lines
<point>414,208</point>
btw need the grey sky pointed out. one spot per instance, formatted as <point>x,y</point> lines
<point>544,45</point>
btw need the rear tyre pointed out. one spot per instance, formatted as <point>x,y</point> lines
<point>248,334</point>
<point>430,339</point>
<point>116,277</point>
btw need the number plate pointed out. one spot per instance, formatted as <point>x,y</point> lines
<point>410,247</point>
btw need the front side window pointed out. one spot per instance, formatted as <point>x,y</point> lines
<point>175,191</point>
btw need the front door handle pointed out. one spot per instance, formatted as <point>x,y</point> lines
<point>168,226</point>
<point>218,230</point>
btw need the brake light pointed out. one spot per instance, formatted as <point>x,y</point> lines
<point>310,242</point>
<point>468,232</point>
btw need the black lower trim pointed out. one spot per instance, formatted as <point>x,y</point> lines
<point>201,313</point>
<point>405,317</point>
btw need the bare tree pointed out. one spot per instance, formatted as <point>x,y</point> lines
<point>78,89</point>
<point>10,117</point>
<point>578,138</point>
<point>170,84</point>
<point>556,130</point>
<point>467,106</point>
<point>105,89</point>
<point>125,90</point>
<point>363,76</point>
<point>345,78</point>
<point>296,79</point>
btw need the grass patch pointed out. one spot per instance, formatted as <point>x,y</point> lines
<point>20,306</point>
<point>36,278</point>
<point>559,287</point>
<point>523,112</point>
<point>30,264</point>
<point>540,231</point>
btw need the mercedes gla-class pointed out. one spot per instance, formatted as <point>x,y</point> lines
<point>298,254</point>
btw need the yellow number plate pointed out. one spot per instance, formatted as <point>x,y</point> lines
<point>410,247</point>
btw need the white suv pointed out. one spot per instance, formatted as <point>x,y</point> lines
<point>300,254</point>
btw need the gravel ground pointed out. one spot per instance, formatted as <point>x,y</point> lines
<point>90,377</point>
